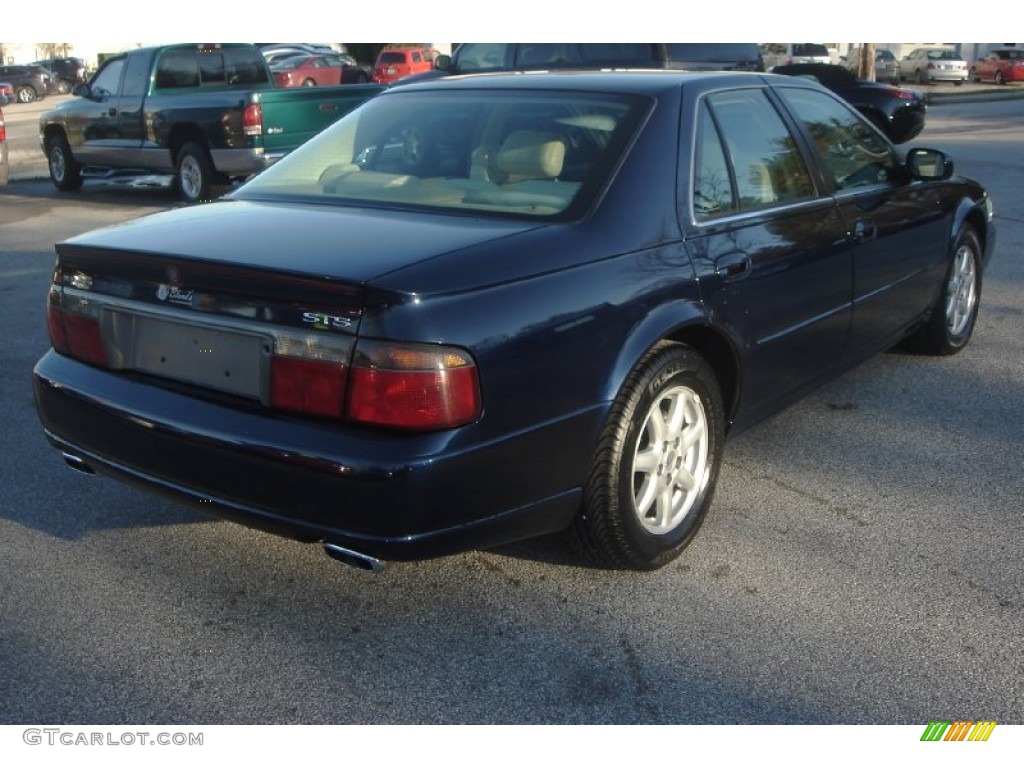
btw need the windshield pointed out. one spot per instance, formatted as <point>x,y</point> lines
<point>524,153</point>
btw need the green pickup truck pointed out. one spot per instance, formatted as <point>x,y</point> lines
<point>206,113</point>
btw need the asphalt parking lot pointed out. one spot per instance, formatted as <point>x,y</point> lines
<point>861,563</point>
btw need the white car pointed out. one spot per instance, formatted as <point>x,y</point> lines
<point>930,65</point>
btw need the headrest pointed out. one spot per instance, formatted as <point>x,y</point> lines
<point>531,155</point>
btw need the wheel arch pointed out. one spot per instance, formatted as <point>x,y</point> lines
<point>53,129</point>
<point>182,134</point>
<point>969,213</point>
<point>683,323</point>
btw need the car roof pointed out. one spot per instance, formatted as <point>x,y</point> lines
<point>641,81</point>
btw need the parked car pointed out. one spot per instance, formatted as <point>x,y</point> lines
<point>395,63</point>
<point>5,167</point>
<point>208,113</point>
<point>1003,65</point>
<point>780,54</point>
<point>352,72</point>
<point>932,65</point>
<point>307,71</point>
<point>470,58</point>
<point>65,73</point>
<point>887,66</point>
<point>898,112</point>
<point>476,310</point>
<point>30,82</point>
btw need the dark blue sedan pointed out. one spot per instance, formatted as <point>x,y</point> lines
<point>481,309</point>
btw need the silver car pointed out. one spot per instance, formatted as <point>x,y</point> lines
<point>930,65</point>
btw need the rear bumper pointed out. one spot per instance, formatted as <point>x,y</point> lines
<point>392,497</point>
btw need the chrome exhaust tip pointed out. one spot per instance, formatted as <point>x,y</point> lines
<point>353,559</point>
<point>78,464</point>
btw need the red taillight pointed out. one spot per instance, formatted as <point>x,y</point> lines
<point>932,66</point>
<point>75,329</point>
<point>315,387</point>
<point>252,120</point>
<point>84,339</point>
<point>55,325</point>
<point>413,387</point>
<point>3,128</point>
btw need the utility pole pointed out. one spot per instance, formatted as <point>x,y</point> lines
<point>866,63</point>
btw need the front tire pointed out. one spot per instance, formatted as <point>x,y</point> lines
<point>64,87</point>
<point>194,174</point>
<point>952,320</point>
<point>656,464</point>
<point>1000,80</point>
<point>65,171</point>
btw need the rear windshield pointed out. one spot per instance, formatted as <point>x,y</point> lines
<point>712,52</point>
<point>210,66</point>
<point>519,153</point>
<point>943,55</point>
<point>391,57</point>
<point>809,49</point>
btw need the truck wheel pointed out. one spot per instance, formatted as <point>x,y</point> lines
<point>65,172</point>
<point>194,175</point>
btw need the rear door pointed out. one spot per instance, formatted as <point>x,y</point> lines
<point>770,248</point>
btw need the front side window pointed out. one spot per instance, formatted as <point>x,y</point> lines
<point>480,57</point>
<point>766,165</point>
<point>852,151</point>
<point>108,80</point>
<point>518,153</point>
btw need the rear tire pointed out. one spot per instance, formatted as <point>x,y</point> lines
<point>25,94</point>
<point>656,463</point>
<point>65,171</point>
<point>194,174</point>
<point>956,310</point>
<point>1000,80</point>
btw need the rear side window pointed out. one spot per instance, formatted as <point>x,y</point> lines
<point>177,69</point>
<point>763,162</point>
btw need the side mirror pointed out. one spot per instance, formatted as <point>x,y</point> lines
<point>83,90</point>
<point>929,164</point>
<point>443,62</point>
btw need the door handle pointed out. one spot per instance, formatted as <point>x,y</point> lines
<point>732,266</point>
<point>112,112</point>
<point>864,229</point>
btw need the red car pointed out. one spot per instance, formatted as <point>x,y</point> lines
<point>395,63</point>
<point>308,71</point>
<point>1003,65</point>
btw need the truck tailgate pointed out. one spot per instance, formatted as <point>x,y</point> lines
<point>291,116</point>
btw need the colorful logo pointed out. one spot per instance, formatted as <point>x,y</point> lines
<point>958,730</point>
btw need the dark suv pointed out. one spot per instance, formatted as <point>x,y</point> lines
<point>30,82</point>
<point>497,57</point>
<point>66,72</point>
